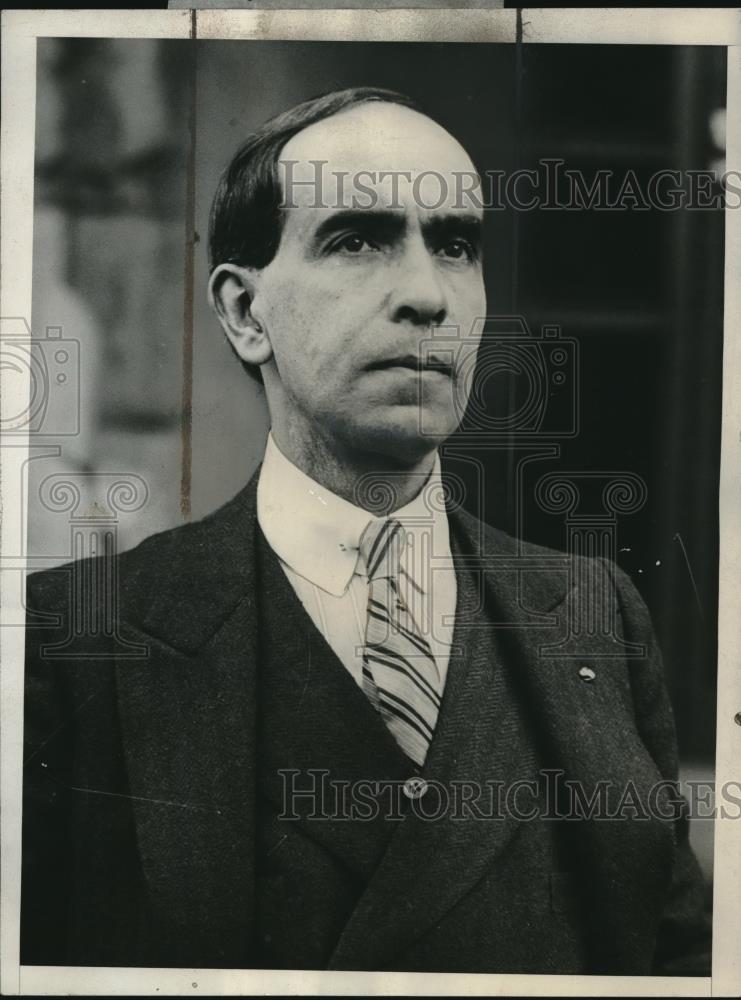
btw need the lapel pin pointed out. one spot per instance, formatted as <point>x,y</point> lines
<point>587,674</point>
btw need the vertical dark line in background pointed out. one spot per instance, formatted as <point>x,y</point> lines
<point>516,154</point>
<point>690,463</point>
<point>511,487</point>
<point>186,426</point>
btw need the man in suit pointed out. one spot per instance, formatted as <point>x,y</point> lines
<point>327,726</point>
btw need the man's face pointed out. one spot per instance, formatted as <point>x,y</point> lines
<point>357,287</point>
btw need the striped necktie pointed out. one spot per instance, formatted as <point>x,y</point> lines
<point>399,671</point>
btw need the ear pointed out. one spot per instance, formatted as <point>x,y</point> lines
<point>231,290</point>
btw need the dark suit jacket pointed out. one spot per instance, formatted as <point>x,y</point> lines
<point>140,783</point>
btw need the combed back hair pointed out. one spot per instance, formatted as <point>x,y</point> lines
<point>246,219</point>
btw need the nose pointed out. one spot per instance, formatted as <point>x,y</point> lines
<point>418,296</point>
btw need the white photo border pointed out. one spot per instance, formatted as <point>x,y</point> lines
<point>693,26</point>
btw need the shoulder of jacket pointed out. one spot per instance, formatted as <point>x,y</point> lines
<point>143,570</point>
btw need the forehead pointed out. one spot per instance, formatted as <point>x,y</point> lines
<point>396,152</point>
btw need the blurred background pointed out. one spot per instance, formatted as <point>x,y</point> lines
<point>131,136</point>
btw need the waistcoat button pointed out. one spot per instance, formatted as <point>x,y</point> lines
<point>414,788</point>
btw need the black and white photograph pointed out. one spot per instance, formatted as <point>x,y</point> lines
<point>366,510</point>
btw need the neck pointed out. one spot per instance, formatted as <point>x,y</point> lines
<point>375,482</point>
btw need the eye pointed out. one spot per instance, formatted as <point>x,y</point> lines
<point>458,250</point>
<point>355,243</point>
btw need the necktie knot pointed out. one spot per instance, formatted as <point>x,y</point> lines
<point>381,547</point>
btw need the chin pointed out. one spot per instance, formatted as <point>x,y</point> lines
<point>404,441</point>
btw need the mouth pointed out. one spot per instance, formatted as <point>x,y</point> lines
<point>412,363</point>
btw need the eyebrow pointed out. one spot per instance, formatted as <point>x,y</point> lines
<point>388,224</point>
<point>379,221</point>
<point>470,227</point>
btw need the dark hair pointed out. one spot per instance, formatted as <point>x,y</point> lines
<point>246,220</point>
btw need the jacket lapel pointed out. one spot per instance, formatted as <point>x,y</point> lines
<point>317,729</point>
<point>588,730</point>
<point>188,715</point>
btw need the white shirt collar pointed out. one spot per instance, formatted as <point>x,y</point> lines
<point>316,533</point>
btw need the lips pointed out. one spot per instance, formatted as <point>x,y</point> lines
<point>413,363</point>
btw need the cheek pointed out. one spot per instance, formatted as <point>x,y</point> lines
<point>466,301</point>
<point>474,300</point>
<point>310,324</point>
<point>280,314</point>
<point>469,320</point>
<point>287,317</point>
<point>305,326</point>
